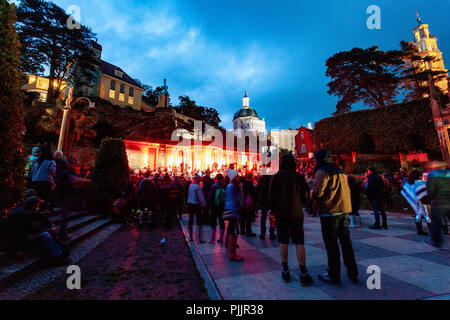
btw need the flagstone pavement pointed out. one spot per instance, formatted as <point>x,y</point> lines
<point>410,267</point>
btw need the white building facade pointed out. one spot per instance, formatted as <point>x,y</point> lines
<point>247,120</point>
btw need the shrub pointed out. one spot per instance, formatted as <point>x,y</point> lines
<point>110,175</point>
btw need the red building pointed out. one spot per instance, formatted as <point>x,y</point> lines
<point>304,143</point>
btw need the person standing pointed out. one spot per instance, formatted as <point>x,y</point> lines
<point>438,186</point>
<point>374,190</point>
<point>250,204</point>
<point>334,204</point>
<point>233,207</point>
<point>288,196</point>
<point>216,204</point>
<point>63,191</point>
<point>196,202</point>
<point>262,192</point>
<point>415,193</point>
<point>355,194</point>
<point>43,172</point>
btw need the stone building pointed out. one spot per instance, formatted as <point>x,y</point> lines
<point>247,120</point>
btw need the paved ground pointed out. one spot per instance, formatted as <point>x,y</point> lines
<point>410,268</point>
<point>132,264</point>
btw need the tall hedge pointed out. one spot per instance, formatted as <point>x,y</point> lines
<point>110,176</point>
<point>391,129</point>
<point>12,163</point>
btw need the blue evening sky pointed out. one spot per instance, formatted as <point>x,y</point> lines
<point>213,50</point>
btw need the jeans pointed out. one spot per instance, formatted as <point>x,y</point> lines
<point>48,245</point>
<point>263,223</point>
<point>216,213</point>
<point>377,209</point>
<point>334,228</point>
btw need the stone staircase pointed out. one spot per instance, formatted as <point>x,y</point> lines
<point>79,227</point>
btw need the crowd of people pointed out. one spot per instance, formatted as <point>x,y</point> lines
<point>231,200</point>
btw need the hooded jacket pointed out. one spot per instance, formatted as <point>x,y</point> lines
<point>288,191</point>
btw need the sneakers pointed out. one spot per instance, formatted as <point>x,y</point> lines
<point>305,279</point>
<point>286,275</point>
<point>325,277</point>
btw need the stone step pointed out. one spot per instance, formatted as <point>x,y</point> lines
<point>72,216</point>
<point>83,228</point>
<point>81,222</point>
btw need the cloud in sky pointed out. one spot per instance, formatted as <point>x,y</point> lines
<point>214,50</point>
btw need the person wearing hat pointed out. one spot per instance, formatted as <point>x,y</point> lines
<point>195,203</point>
<point>288,194</point>
<point>332,192</point>
<point>35,152</point>
<point>37,228</point>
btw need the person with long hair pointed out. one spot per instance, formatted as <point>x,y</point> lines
<point>43,172</point>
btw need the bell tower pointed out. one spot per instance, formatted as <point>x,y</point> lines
<point>427,46</point>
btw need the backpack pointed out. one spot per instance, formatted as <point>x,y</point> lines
<point>219,197</point>
<point>119,206</point>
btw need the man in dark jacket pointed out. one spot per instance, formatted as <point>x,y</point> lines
<point>262,192</point>
<point>35,227</point>
<point>374,192</point>
<point>333,197</point>
<point>288,193</point>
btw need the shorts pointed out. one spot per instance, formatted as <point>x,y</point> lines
<point>290,228</point>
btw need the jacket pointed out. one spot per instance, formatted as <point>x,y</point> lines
<point>288,194</point>
<point>332,191</point>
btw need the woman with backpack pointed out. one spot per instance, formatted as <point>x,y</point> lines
<point>216,203</point>
<point>42,174</point>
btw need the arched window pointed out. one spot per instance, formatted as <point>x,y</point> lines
<point>130,96</point>
<point>302,135</point>
<point>303,148</point>
<point>122,93</point>
<point>112,90</point>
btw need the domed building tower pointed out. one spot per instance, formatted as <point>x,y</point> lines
<point>247,120</point>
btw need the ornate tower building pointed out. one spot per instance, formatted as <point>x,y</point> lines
<point>427,45</point>
<point>247,120</point>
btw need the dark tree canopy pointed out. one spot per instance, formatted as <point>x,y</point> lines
<point>189,108</point>
<point>48,43</point>
<point>363,75</point>
<point>12,164</point>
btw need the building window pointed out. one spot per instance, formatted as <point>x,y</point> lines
<point>112,90</point>
<point>122,93</point>
<point>302,135</point>
<point>130,96</point>
<point>303,148</point>
<point>118,73</point>
<point>130,100</point>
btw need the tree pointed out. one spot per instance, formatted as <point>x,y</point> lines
<point>363,75</point>
<point>48,42</point>
<point>189,108</point>
<point>414,77</point>
<point>110,176</point>
<point>12,164</point>
<point>149,96</point>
